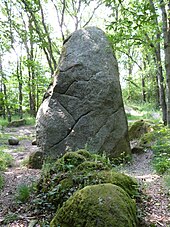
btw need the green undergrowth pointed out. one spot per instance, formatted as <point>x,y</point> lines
<point>72,172</point>
<point>159,141</point>
<point>4,138</point>
<point>29,120</point>
<point>23,192</point>
<point>140,111</point>
<point>10,217</point>
<point>167,179</point>
<point>6,160</point>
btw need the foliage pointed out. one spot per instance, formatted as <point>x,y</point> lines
<point>159,141</point>
<point>3,122</point>
<point>142,111</point>
<point>167,179</point>
<point>30,120</point>
<point>121,160</point>
<point>10,218</point>
<point>6,160</point>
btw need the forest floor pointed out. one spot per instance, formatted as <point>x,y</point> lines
<point>154,208</point>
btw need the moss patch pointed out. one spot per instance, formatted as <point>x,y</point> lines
<point>98,205</point>
<point>36,160</point>
<point>17,123</point>
<point>73,172</point>
<point>139,128</point>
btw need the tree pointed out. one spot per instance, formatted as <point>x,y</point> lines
<point>136,25</point>
<point>165,8</point>
<point>73,13</point>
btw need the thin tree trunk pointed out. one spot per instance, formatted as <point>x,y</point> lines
<point>4,89</point>
<point>143,85</point>
<point>160,78</point>
<point>2,105</point>
<point>32,101</point>
<point>166,33</point>
<point>19,76</point>
<point>7,105</point>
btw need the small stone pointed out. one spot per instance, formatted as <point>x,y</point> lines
<point>13,141</point>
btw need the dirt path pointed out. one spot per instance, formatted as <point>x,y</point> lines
<point>156,210</point>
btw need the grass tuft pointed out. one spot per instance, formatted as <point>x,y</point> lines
<point>23,193</point>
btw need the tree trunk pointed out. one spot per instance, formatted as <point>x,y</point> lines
<point>19,77</point>
<point>166,33</point>
<point>160,78</point>
<point>2,105</point>
<point>4,89</point>
<point>143,89</point>
<point>9,117</point>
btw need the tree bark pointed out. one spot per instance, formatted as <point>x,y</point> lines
<point>4,89</point>
<point>19,77</point>
<point>143,85</point>
<point>158,60</point>
<point>166,33</point>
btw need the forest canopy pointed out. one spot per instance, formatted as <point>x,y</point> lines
<point>32,34</point>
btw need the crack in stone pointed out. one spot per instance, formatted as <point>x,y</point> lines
<point>65,109</point>
<point>70,130</point>
<point>70,67</point>
<point>67,39</point>
<point>107,119</point>
<point>117,142</point>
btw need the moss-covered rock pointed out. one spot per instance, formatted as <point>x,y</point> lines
<point>69,161</point>
<point>125,182</point>
<point>139,128</point>
<point>36,160</point>
<point>103,205</point>
<point>17,123</point>
<point>73,172</point>
<point>85,153</point>
<point>148,139</point>
<point>92,166</point>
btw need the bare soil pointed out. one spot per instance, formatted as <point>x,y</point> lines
<point>154,207</point>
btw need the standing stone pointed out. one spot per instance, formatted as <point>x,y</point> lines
<point>83,107</point>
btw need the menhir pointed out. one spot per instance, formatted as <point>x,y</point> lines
<point>84,107</point>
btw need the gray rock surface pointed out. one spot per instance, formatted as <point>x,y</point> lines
<point>84,107</point>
